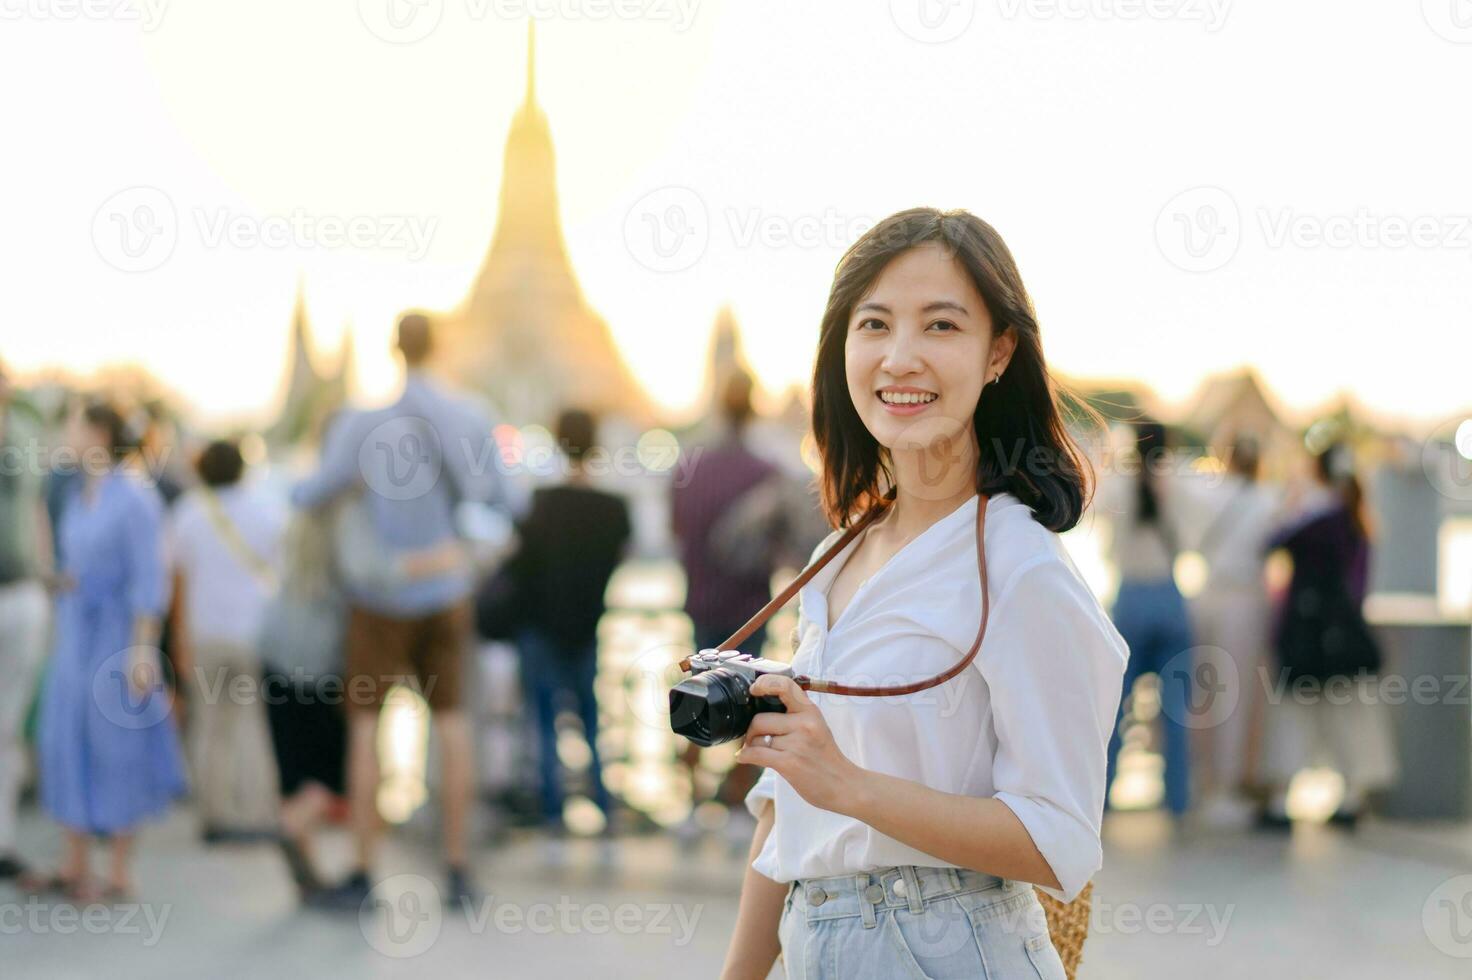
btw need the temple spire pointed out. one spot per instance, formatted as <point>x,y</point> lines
<point>531,61</point>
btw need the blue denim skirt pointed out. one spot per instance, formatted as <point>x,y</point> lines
<point>918,923</point>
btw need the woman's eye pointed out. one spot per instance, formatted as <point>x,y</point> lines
<point>945,325</point>
<point>871,322</point>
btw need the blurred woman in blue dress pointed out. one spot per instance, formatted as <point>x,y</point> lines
<point>109,754</point>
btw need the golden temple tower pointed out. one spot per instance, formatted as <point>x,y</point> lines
<point>524,336</point>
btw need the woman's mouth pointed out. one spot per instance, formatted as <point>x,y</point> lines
<point>905,402</point>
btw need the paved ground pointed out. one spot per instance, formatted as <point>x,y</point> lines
<point>1316,904</point>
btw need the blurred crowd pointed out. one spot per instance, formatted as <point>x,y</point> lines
<point>1248,629</point>
<point>173,634</point>
<point>168,635</point>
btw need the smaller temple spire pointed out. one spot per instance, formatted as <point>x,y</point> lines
<point>346,361</point>
<point>299,310</point>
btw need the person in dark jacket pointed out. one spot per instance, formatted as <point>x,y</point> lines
<point>572,539</point>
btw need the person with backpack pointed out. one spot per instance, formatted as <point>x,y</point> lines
<point>718,595</point>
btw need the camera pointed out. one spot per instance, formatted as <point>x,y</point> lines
<point>714,704</point>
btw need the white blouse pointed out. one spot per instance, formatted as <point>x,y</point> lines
<point>1028,722</point>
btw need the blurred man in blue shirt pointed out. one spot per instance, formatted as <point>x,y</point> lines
<point>413,463</point>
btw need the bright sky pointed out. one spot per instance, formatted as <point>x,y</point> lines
<point>1327,134</point>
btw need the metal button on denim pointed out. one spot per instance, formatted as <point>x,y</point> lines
<point>874,894</point>
<point>817,896</point>
<point>899,888</point>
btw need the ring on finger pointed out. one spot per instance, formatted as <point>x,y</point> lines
<point>767,741</point>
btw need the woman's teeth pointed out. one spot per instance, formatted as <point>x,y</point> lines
<point>906,398</point>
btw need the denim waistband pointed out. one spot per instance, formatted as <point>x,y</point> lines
<point>904,887</point>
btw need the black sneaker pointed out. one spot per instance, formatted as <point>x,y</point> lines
<point>302,872</point>
<point>215,835</point>
<point>1272,820</point>
<point>346,896</point>
<point>459,889</point>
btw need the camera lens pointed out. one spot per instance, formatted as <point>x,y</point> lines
<point>711,707</point>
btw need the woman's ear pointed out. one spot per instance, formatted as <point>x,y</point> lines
<point>1003,345</point>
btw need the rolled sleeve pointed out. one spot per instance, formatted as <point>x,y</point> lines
<point>759,795</point>
<point>1054,665</point>
<point>339,467</point>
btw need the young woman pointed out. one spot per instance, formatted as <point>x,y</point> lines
<point>1325,651</point>
<point>108,750</point>
<point>902,836</point>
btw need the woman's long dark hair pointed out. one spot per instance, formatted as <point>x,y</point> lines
<point>103,415</point>
<point>1024,447</point>
<point>1335,467</point>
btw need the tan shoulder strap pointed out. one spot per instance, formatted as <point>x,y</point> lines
<point>830,687</point>
<point>230,534</point>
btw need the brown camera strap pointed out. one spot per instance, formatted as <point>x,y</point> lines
<point>830,687</point>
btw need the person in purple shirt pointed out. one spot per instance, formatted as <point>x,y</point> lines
<point>718,599</point>
<point>109,755</point>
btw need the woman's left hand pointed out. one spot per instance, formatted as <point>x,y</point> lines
<point>802,749</point>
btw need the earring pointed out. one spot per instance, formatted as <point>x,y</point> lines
<point>998,378</point>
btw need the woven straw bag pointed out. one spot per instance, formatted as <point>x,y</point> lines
<point>1068,926</point>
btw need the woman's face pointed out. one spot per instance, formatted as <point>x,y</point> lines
<point>918,350</point>
<point>86,440</point>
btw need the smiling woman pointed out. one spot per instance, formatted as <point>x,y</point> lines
<point>909,835</point>
<point>932,304</point>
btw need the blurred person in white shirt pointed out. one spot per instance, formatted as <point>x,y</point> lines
<point>1230,523</point>
<point>226,543</point>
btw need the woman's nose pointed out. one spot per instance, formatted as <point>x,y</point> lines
<point>900,355</point>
